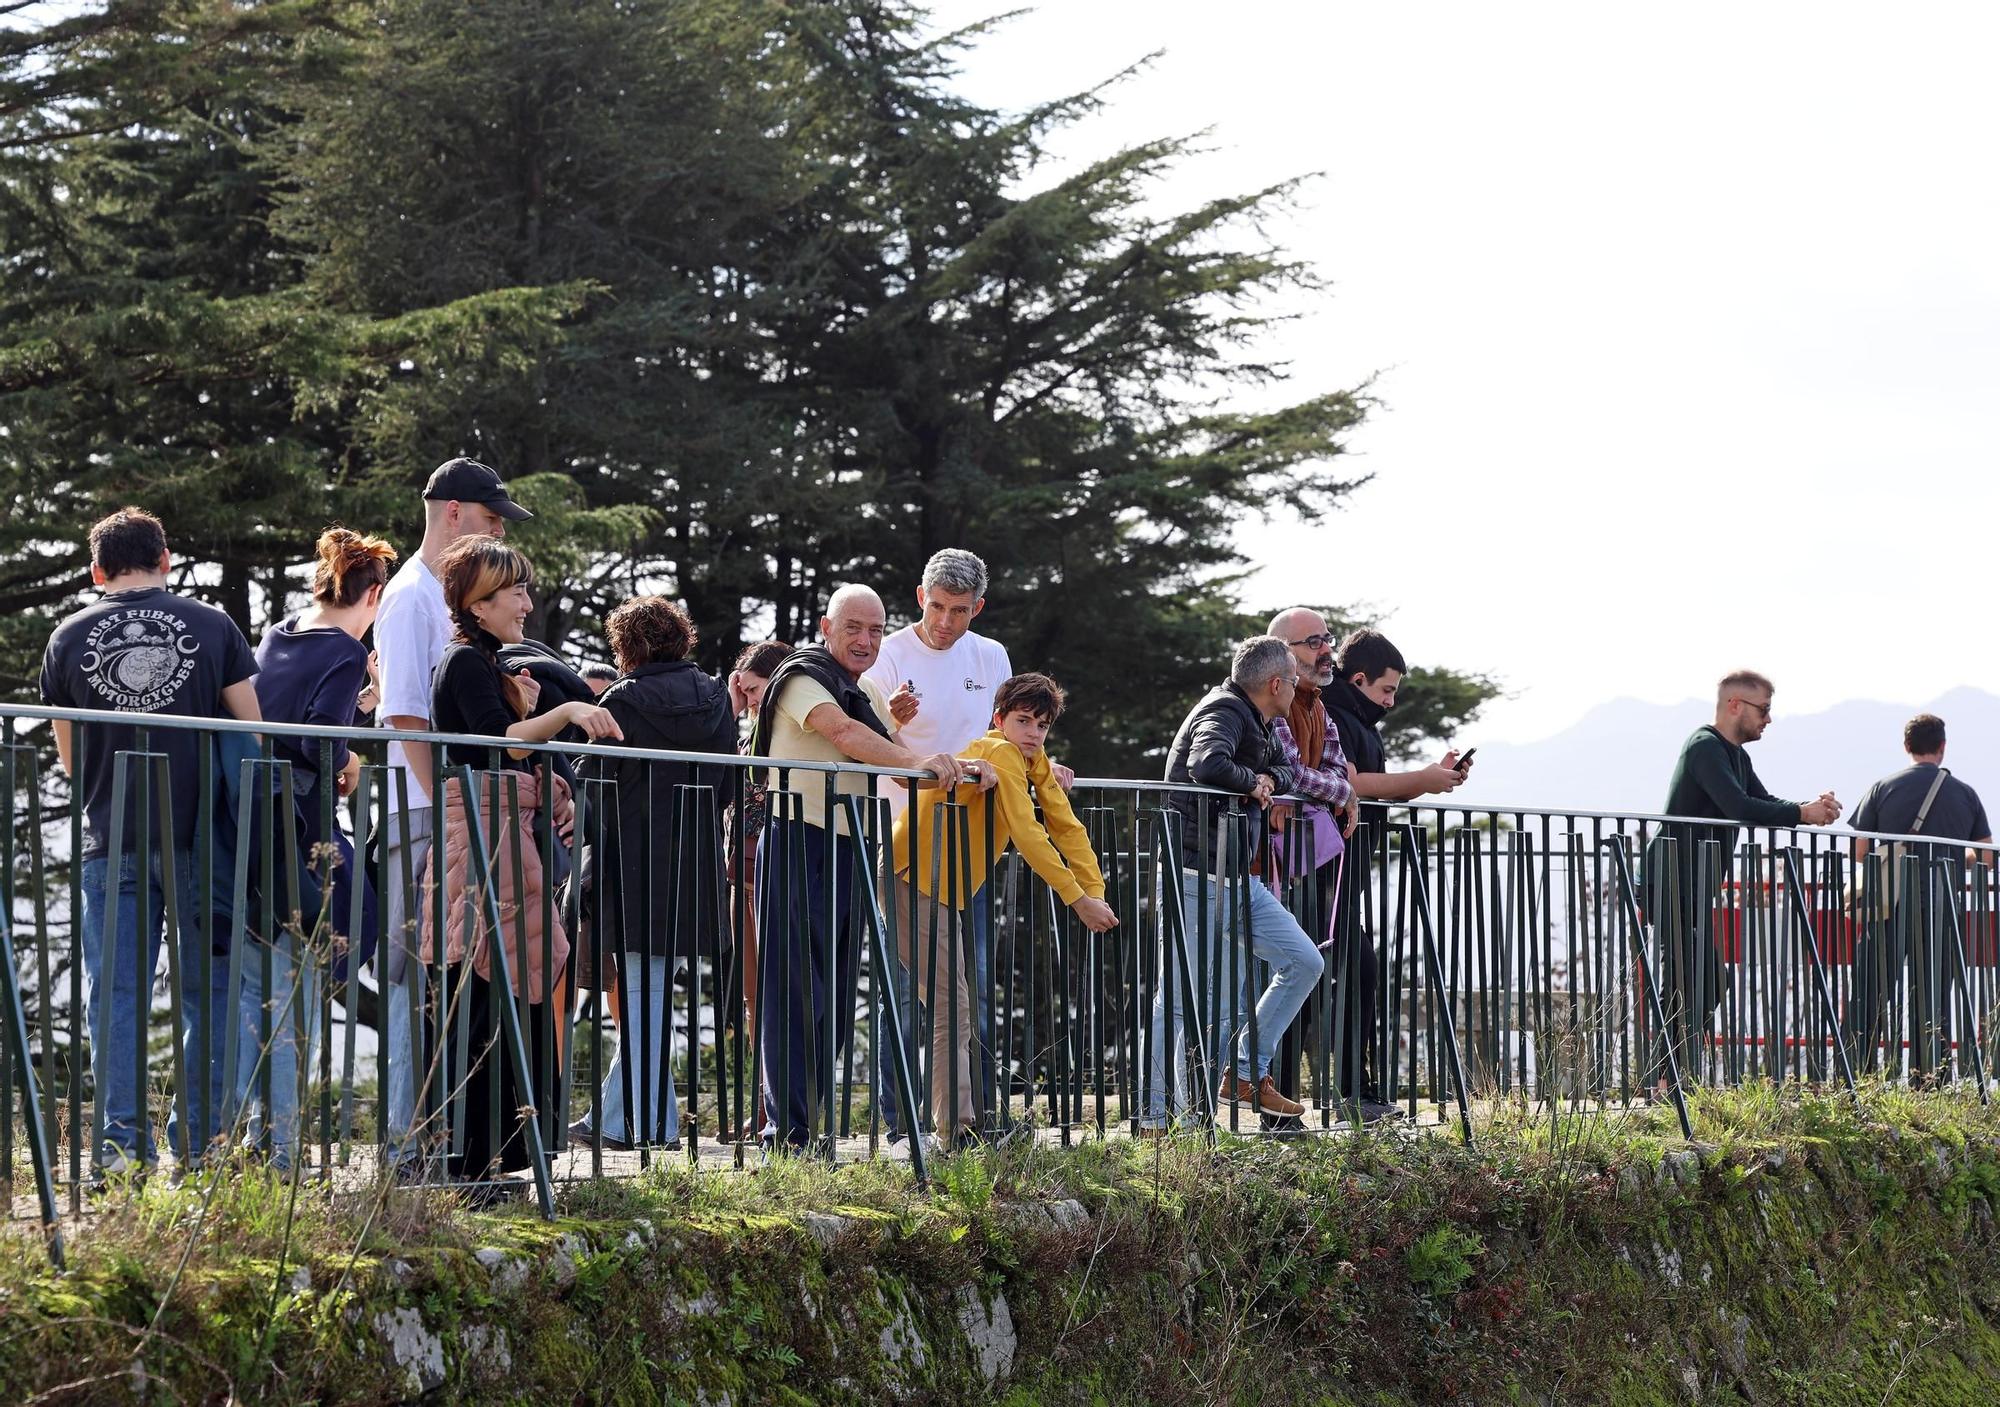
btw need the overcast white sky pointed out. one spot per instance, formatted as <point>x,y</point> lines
<point>1687,320</point>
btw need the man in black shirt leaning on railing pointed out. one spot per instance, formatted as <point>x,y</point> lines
<point>1227,743</point>
<point>1369,678</point>
<point>1714,778</point>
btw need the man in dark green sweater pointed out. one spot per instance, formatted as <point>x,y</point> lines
<point>1714,778</point>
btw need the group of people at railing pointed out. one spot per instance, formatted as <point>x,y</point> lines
<point>451,656</point>
<point>476,843</point>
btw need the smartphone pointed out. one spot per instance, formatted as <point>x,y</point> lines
<point>1465,759</point>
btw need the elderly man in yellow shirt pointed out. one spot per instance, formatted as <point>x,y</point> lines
<point>948,874</point>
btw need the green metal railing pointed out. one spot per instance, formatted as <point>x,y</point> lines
<point>1468,956</point>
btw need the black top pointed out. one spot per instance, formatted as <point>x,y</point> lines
<point>1224,742</point>
<point>1891,806</point>
<point>466,697</point>
<point>674,707</point>
<point>143,651</point>
<point>310,676</point>
<point>559,685</point>
<point>1357,719</point>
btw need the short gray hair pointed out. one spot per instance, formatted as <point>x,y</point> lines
<point>1257,661</point>
<point>957,571</point>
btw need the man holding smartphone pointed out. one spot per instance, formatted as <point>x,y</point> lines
<point>1371,671</point>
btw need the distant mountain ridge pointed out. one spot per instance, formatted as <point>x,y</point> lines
<point>1620,755</point>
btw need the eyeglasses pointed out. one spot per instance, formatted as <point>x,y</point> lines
<point>1313,642</point>
<point>1762,708</point>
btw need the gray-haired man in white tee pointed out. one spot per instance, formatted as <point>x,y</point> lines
<point>941,678</point>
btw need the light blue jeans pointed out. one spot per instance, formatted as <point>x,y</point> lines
<point>117,1035</point>
<point>294,1007</point>
<point>1275,938</point>
<point>652,1056</point>
<point>398,972</point>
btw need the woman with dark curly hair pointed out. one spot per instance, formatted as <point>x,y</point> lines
<point>659,843</point>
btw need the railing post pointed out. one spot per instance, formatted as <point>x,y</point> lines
<point>879,951</point>
<point>1448,1025</point>
<point>502,998</point>
<point>1628,892</point>
<point>1942,875</point>
<point>15,1019</point>
<point>1802,913</point>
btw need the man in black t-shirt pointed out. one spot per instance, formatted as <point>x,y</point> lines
<point>1951,811</point>
<point>143,649</point>
<point>1891,805</point>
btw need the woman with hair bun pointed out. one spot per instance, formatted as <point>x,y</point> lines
<point>312,668</point>
<point>486,591</point>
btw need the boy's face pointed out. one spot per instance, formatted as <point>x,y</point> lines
<point>1024,730</point>
<point>1383,689</point>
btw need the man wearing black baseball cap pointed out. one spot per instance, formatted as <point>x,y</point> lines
<point>463,498</point>
<point>463,481</point>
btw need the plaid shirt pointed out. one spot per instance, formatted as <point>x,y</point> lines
<point>1326,783</point>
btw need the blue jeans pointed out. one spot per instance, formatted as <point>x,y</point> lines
<point>293,1002</point>
<point>1275,938</point>
<point>117,1036</point>
<point>651,1047</point>
<point>397,973</point>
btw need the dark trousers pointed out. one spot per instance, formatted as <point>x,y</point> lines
<point>1339,1017</point>
<point>807,970</point>
<point>492,1135</point>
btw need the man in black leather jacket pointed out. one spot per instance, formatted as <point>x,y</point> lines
<point>1226,743</point>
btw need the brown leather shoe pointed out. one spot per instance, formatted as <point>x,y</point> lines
<point>1269,1101</point>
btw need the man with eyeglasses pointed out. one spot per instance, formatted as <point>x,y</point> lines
<point>1714,778</point>
<point>1320,773</point>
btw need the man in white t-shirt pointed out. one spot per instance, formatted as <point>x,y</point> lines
<point>463,499</point>
<point>939,674</point>
<point>941,678</point>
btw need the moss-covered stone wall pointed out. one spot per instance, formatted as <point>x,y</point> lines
<point>1800,1251</point>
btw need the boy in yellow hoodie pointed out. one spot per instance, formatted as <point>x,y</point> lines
<point>948,876</point>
